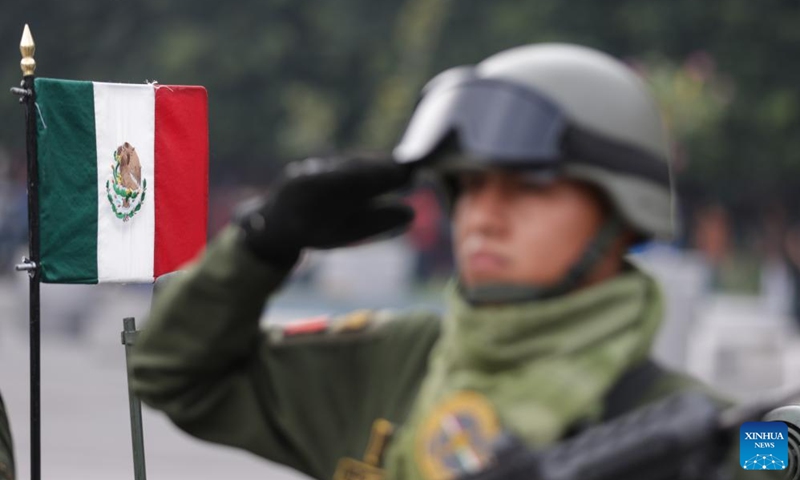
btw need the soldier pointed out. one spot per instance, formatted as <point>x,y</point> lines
<point>554,162</point>
<point>6,447</point>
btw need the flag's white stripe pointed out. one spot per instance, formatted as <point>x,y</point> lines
<point>125,113</point>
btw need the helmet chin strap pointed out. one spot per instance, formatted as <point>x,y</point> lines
<point>514,293</point>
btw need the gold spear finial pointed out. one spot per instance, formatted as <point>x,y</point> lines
<point>27,48</point>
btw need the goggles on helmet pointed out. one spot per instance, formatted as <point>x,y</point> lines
<point>513,126</point>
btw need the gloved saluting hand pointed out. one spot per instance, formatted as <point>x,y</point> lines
<point>326,203</point>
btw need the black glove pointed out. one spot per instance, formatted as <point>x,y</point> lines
<point>326,203</point>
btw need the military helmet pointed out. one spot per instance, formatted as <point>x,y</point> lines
<point>552,108</point>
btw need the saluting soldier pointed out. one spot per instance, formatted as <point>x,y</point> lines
<point>554,162</point>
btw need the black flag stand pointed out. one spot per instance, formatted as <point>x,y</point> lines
<point>31,263</point>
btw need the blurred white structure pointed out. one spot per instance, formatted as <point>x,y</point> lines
<point>744,346</point>
<point>684,279</point>
<point>743,350</point>
<point>369,274</point>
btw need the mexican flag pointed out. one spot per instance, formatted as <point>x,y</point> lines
<point>123,179</point>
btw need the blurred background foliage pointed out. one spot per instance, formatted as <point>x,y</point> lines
<point>290,78</point>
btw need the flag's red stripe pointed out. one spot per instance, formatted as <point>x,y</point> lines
<point>181,183</point>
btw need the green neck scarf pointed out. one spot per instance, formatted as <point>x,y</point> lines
<point>540,366</point>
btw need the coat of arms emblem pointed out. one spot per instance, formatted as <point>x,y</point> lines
<point>126,188</point>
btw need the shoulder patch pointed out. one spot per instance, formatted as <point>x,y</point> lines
<point>457,436</point>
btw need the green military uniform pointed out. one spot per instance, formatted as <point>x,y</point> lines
<point>6,447</point>
<point>311,401</point>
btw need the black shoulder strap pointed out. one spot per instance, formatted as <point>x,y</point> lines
<point>628,390</point>
<point>625,394</point>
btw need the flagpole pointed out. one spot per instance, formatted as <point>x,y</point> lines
<point>31,264</point>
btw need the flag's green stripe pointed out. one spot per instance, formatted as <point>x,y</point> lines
<point>67,181</point>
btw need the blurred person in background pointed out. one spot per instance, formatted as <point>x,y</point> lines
<point>13,215</point>
<point>792,248</point>
<point>424,232</point>
<point>775,279</point>
<point>6,446</point>
<point>712,239</point>
<point>554,162</point>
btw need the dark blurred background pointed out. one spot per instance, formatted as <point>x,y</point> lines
<point>287,79</point>
<point>292,78</point>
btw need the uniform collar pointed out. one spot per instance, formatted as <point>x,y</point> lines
<point>500,335</point>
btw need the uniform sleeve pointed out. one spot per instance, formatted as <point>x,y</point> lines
<point>203,360</point>
<point>6,446</point>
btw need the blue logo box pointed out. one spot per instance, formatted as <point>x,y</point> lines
<point>764,446</point>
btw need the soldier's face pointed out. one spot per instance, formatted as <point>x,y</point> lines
<point>507,229</point>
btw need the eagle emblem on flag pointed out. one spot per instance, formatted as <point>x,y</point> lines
<point>126,188</point>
